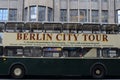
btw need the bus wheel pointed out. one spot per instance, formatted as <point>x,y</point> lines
<point>98,71</point>
<point>17,71</point>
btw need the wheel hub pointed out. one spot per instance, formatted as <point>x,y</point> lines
<point>17,71</point>
<point>98,72</point>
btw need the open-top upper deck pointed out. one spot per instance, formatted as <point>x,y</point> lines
<point>56,27</point>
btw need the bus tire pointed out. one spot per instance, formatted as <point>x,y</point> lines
<point>17,71</point>
<point>98,71</point>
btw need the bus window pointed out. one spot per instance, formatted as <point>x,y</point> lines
<point>33,27</point>
<point>118,52</point>
<point>87,28</point>
<point>19,51</point>
<point>10,52</point>
<point>27,27</point>
<point>20,27</point>
<point>52,52</point>
<point>2,26</point>
<point>99,52</point>
<point>105,52</point>
<point>109,28</point>
<point>79,28</point>
<point>27,52</point>
<point>10,27</point>
<point>53,27</point>
<point>13,51</point>
<point>72,52</point>
<point>32,52</point>
<point>14,27</point>
<point>71,27</point>
<point>110,52</point>
<point>1,38</point>
<point>119,28</point>
<point>96,28</point>
<point>37,52</point>
<point>103,29</point>
<point>91,28</point>
<point>65,53</point>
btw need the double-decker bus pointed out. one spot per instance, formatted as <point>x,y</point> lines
<point>54,48</point>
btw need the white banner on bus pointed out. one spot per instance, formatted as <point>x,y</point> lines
<point>60,40</point>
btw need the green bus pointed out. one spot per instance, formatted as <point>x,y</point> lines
<point>62,49</point>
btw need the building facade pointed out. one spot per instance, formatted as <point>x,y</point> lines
<point>98,11</point>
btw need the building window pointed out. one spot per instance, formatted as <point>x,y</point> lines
<point>118,16</point>
<point>73,4</point>
<point>63,4</point>
<point>83,0</point>
<point>13,14</point>
<point>117,0</point>
<point>105,16</point>
<point>74,15</point>
<point>83,15</point>
<point>25,14</point>
<point>94,0</point>
<point>89,15</point>
<point>33,13</point>
<point>3,14</point>
<point>41,13</point>
<point>95,16</point>
<point>104,0</point>
<point>63,15</point>
<point>50,16</point>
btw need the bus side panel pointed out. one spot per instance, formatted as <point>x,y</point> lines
<point>112,66</point>
<point>73,67</point>
<point>60,66</point>
<point>4,68</point>
<point>44,67</point>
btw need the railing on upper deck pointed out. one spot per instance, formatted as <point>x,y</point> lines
<point>59,27</point>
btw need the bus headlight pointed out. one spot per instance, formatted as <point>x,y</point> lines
<point>4,59</point>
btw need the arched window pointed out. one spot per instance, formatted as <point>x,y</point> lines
<point>38,13</point>
<point>104,16</point>
<point>25,14</point>
<point>33,13</point>
<point>50,14</point>
<point>118,16</point>
<point>41,13</point>
<point>3,14</point>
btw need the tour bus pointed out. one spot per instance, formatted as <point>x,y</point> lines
<point>60,49</point>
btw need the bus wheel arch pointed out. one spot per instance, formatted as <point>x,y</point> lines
<point>98,70</point>
<point>17,71</point>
